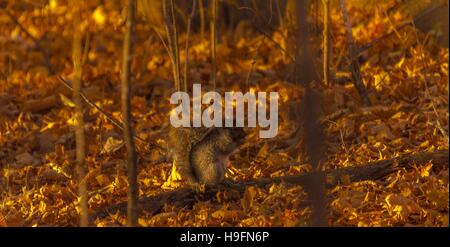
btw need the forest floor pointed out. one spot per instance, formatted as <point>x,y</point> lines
<point>406,76</point>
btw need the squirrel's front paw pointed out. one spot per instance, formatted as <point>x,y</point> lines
<point>198,188</point>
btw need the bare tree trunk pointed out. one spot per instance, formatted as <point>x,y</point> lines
<point>79,131</point>
<point>326,42</point>
<point>355,69</point>
<point>213,27</point>
<point>311,128</point>
<point>126,112</point>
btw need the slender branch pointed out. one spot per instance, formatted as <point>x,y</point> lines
<point>36,41</point>
<point>427,90</point>
<point>355,69</point>
<point>126,112</point>
<point>188,31</point>
<point>21,27</point>
<point>86,48</point>
<point>280,16</point>
<point>278,45</point>
<point>252,65</point>
<point>175,43</point>
<point>166,47</point>
<point>79,130</point>
<point>118,124</point>
<point>213,28</point>
<point>172,38</point>
<point>202,19</point>
<point>367,46</point>
<point>326,42</point>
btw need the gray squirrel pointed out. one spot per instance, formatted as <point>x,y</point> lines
<point>201,154</point>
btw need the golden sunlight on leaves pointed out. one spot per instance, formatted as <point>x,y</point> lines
<point>99,16</point>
